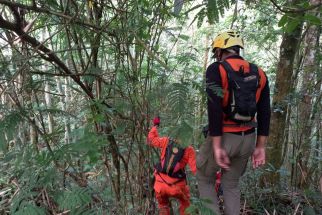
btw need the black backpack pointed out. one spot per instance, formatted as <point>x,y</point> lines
<point>242,93</point>
<point>169,165</point>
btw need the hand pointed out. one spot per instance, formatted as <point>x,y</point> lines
<point>221,157</point>
<point>258,157</point>
<point>156,121</point>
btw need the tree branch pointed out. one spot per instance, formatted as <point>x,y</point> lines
<point>50,12</point>
<point>48,55</point>
<point>295,10</point>
<point>64,75</point>
<point>51,57</point>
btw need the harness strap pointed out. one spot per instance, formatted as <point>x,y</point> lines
<point>250,124</point>
<point>169,183</point>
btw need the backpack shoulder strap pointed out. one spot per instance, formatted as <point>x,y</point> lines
<point>169,149</point>
<point>253,68</point>
<point>227,68</point>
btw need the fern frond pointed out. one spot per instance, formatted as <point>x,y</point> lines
<point>27,208</point>
<point>216,8</point>
<point>198,206</point>
<point>74,199</point>
<point>177,97</point>
<point>212,11</point>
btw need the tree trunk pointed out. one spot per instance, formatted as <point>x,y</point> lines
<point>67,120</point>
<point>32,128</point>
<point>311,43</point>
<point>48,106</point>
<point>64,100</point>
<point>278,132</point>
<point>202,99</point>
<point>50,117</point>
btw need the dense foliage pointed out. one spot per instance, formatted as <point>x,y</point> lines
<point>80,82</point>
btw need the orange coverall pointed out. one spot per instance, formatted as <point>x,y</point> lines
<point>179,190</point>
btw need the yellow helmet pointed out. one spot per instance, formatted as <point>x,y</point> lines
<point>228,39</point>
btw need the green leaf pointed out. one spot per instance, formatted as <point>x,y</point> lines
<point>3,142</point>
<point>198,206</point>
<point>185,133</point>
<point>184,37</point>
<point>200,16</point>
<point>313,20</point>
<point>309,210</point>
<point>29,209</point>
<point>75,198</point>
<point>52,3</point>
<point>182,131</point>
<point>212,11</point>
<point>283,20</point>
<point>290,27</point>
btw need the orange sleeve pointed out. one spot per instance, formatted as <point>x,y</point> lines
<point>155,140</point>
<point>261,83</point>
<point>192,159</point>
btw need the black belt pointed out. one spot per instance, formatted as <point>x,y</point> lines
<point>252,130</point>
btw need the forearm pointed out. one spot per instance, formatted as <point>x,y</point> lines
<point>155,140</point>
<point>153,133</point>
<point>264,112</point>
<point>216,142</point>
<point>215,117</point>
<point>261,141</point>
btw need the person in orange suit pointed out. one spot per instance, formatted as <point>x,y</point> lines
<point>170,177</point>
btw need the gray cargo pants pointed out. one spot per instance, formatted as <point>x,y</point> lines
<point>239,148</point>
